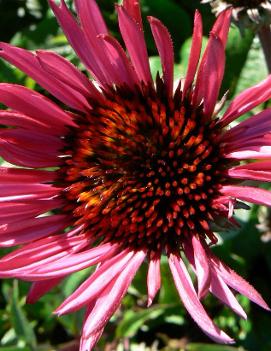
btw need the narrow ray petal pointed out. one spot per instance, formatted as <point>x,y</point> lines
<point>191,302</point>
<point>153,279</point>
<point>248,193</point>
<point>194,52</point>
<point>164,45</point>
<point>210,75</point>
<point>202,267</point>
<point>247,100</point>
<point>237,283</point>
<point>135,43</point>
<point>223,293</point>
<point>111,297</point>
<point>93,286</point>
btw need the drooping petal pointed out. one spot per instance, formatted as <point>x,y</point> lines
<point>224,294</point>
<point>153,278</point>
<point>111,297</point>
<point>35,252</point>
<point>236,282</point>
<point>191,302</point>
<point>248,193</point>
<point>75,262</point>
<point>134,40</point>
<point>38,289</point>
<point>194,53</point>
<point>164,45</point>
<point>93,286</point>
<point>247,100</point>
<point>256,171</point>
<point>202,267</point>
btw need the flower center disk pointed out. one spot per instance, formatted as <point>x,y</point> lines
<point>143,170</point>
<point>245,3</point>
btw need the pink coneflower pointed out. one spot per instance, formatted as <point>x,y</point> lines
<point>130,170</point>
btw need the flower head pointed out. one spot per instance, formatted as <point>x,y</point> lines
<point>245,13</point>
<point>130,170</point>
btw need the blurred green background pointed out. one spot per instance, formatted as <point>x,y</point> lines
<point>166,325</point>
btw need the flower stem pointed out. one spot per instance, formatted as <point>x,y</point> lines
<point>265,39</point>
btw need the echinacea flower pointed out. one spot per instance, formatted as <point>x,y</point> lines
<point>245,12</point>
<point>130,170</point>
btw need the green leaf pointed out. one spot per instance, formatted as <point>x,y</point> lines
<point>212,347</point>
<point>23,328</point>
<point>174,17</point>
<point>14,348</point>
<point>254,70</point>
<point>134,320</point>
<point>237,51</point>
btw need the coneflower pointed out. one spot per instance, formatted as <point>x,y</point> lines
<point>130,170</point>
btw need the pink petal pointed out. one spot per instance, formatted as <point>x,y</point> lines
<point>19,156</point>
<point>15,119</point>
<point>202,267</point>
<point>254,152</point>
<point>210,75</point>
<point>194,52</point>
<point>44,192</point>
<point>39,250</point>
<point>111,297</point>
<point>93,26</point>
<point>255,171</point>
<point>123,70</point>
<point>134,40</point>
<point>153,279</point>
<point>30,64</point>
<point>247,100</point>
<point>191,302</point>
<point>75,262</point>
<point>164,45</point>
<point>91,17</point>
<point>223,293</point>
<point>88,343</point>
<point>33,229</point>
<point>38,289</point>
<point>78,40</point>
<point>65,72</point>
<point>34,141</point>
<point>133,9</point>
<point>248,193</point>
<point>222,25</point>
<point>17,212</point>
<point>236,282</point>
<point>35,105</point>
<point>252,127</point>
<point>18,175</point>
<point>95,284</point>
